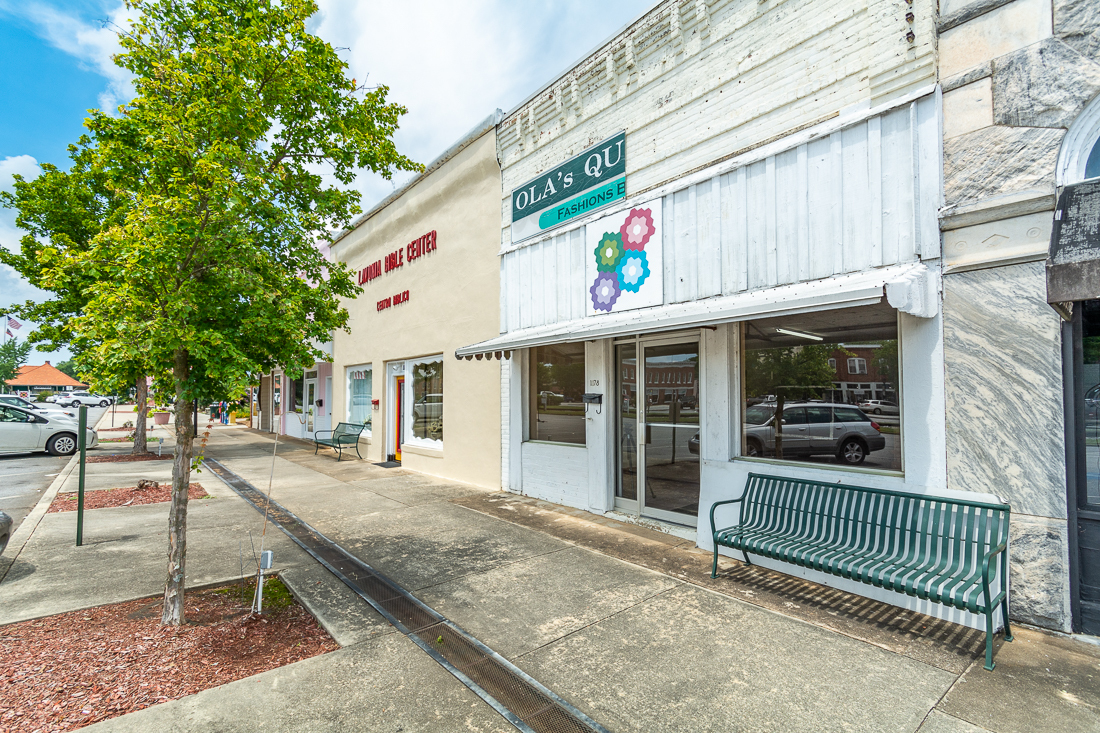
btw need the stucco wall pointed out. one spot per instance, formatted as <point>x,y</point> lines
<point>453,301</point>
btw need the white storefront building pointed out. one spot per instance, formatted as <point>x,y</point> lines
<point>700,221</point>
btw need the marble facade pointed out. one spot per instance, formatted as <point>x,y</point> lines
<point>1003,372</point>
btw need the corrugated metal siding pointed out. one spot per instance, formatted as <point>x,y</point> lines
<point>863,197</point>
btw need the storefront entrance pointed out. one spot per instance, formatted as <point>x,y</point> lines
<point>1084,496</point>
<point>396,433</point>
<point>658,399</point>
<point>310,406</point>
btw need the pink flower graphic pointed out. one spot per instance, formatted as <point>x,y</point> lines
<point>637,229</point>
<point>605,291</point>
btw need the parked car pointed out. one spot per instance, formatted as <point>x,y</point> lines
<point>429,406</point>
<point>38,407</point>
<point>56,396</point>
<point>76,399</point>
<point>880,407</point>
<point>24,431</point>
<point>693,444</point>
<point>813,429</point>
<point>5,531</point>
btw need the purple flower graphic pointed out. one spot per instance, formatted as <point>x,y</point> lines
<point>637,229</point>
<point>605,291</point>
<point>633,270</point>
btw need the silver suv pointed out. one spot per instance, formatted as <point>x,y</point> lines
<point>813,428</point>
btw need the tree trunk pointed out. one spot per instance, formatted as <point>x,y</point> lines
<point>172,614</point>
<point>140,443</point>
<point>779,400</point>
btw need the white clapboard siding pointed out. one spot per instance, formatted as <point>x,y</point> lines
<point>862,197</point>
<point>556,473</point>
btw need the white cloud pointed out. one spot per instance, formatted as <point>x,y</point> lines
<point>93,43</point>
<point>452,64</point>
<point>26,166</point>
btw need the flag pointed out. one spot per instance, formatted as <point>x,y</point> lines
<point>7,331</point>
<point>14,323</point>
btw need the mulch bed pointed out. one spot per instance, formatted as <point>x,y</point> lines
<point>115,440</point>
<point>114,430</point>
<point>74,669</point>
<point>130,496</point>
<point>127,458</point>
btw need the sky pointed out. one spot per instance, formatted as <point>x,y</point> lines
<point>452,64</point>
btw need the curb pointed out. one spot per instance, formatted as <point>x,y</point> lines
<point>30,522</point>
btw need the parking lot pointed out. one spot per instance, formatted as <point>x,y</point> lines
<point>24,476</point>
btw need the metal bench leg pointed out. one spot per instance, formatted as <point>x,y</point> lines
<point>316,445</point>
<point>1004,602</point>
<point>989,640</point>
<point>357,449</point>
<point>714,570</point>
<point>339,452</point>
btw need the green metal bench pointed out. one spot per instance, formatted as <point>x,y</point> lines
<point>927,547</point>
<point>345,434</point>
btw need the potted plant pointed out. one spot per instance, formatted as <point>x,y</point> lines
<point>160,417</point>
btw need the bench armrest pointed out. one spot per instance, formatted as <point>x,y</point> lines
<point>317,433</point>
<point>347,438</point>
<point>716,504</point>
<point>986,560</point>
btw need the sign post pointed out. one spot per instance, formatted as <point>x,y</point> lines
<point>82,442</point>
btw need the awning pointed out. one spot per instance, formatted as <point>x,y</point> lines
<point>1073,264</point>
<point>912,288</point>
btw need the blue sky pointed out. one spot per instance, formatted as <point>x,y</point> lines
<point>451,63</point>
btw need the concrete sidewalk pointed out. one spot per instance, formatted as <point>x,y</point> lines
<point>622,621</point>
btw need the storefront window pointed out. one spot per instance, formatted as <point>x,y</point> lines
<point>359,395</point>
<point>557,384</point>
<point>295,395</point>
<point>277,394</point>
<point>791,368</point>
<point>427,399</point>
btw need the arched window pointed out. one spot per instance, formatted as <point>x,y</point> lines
<point>1092,165</point>
<point>1079,157</point>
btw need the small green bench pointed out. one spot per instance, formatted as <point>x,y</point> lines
<point>927,547</point>
<point>345,434</point>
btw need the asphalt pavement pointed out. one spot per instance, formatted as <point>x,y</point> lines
<point>24,476</point>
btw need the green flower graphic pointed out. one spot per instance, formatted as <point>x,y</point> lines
<point>609,251</point>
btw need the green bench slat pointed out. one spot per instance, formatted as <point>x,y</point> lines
<point>925,547</point>
<point>345,434</point>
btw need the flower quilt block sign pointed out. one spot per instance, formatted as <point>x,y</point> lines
<point>625,260</point>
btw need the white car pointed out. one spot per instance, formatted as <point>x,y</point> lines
<point>23,431</point>
<point>880,407</point>
<point>76,399</point>
<point>40,408</point>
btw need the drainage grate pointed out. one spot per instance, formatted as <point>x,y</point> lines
<point>523,701</point>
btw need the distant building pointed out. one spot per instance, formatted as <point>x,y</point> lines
<point>31,380</point>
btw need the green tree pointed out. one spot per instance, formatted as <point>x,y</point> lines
<point>886,362</point>
<point>789,372</point>
<point>213,274</point>
<point>69,368</point>
<point>61,213</point>
<point>13,354</point>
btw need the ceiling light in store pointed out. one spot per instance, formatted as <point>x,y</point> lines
<point>799,334</point>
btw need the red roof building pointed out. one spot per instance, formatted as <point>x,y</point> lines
<point>41,378</point>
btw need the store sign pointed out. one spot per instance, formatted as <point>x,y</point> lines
<point>414,250</point>
<point>579,186</point>
<point>396,299</point>
<point>625,260</point>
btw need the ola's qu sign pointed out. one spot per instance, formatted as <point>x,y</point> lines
<point>580,185</point>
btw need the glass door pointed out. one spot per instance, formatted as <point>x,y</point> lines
<point>311,404</point>
<point>659,429</point>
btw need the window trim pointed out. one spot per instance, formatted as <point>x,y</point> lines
<point>1082,136</point>
<point>409,438</point>
<point>737,427</point>
<point>368,366</point>
<point>530,429</point>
